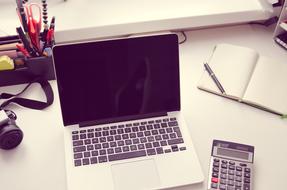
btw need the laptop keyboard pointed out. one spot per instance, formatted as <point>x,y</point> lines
<point>118,142</point>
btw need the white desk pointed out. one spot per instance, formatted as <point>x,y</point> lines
<point>114,17</point>
<point>38,163</point>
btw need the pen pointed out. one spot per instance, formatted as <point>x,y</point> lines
<point>214,78</point>
<point>25,41</point>
<point>22,14</point>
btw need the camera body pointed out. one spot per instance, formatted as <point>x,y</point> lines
<point>10,134</point>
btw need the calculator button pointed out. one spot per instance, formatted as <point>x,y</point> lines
<point>243,164</point>
<point>214,180</point>
<point>237,188</point>
<point>247,170</point>
<point>237,184</point>
<point>238,173</point>
<point>230,188</point>
<point>222,187</point>
<point>216,160</point>
<point>223,176</point>
<point>230,183</point>
<point>247,175</point>
<point>246,187</point>
<point>231,163</point>
<point>214,185</point>
<point>239,179</point>
<point>215,175</point>
<point>231,172</point>
<point>215,169</point>
<point>224,161</point>
<point>224,171</point>
<point>246,180</point>
<point>231,167</point>
<point>231,177</point>
<point>224,166</point>
<point>216,164</point>
<point>223,181</point>
<point>238,168</point>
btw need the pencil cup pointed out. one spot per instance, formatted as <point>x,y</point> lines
<point>33,68</point>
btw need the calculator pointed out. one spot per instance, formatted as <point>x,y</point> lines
<point>231,166</point>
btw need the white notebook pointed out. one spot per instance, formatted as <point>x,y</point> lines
<point>248,78</point>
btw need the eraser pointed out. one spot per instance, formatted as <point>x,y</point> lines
<point>6,63</point>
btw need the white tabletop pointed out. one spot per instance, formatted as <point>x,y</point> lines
<point>38,163</point>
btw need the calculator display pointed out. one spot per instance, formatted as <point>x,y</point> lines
<point>232,153</point>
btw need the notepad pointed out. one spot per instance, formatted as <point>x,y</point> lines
<point>248,78</point>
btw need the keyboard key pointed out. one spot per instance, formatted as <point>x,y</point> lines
<point>78,155</point>
<point>172,123</point>
<point>175,141</point>
<point>94,160</point>
<point>75,132</point>
<point>77,162</point>
<point>159,150</point>
<point>118,149</point>
<point>90,147</point>
<point>78,143</point>
<point>75,137</point>
<point>88,141</point>
<point>95,153</point>
<point>151,151</point>
<point>79,149</point>
<point>103,152</point>
<point>87,154</point>
<point>103,159</point>
<point>86,161</point>
<point>127,155</point>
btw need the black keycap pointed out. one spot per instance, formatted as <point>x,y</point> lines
<point>110,151</point>
<point>113,132</point>
<point>143,123</point>
<point>136,124</point>
<point>75,132</point>
<point>159,150</point>
<point>182,148</point>
<point>173,119</point>
<point>148,145</point>
<point>133,147</point>
<point>103,139</point>
<point>135,129</point>
<point>140,134</point>
<point>105,145</point>
<point>90,135</point>
<point>165,136</point>
<point>141,146</point>
<point>177,131</point>
<point>133,135</point>
<point>78,155</point>
<point>105,133</point>
<point>150,122</point>
<point>142,128</point>
<point>246,187</point>
<point>162,131</point>
<point>110,138</point>
<point>118,149</point>
<point>127,155</point>
<point>223,176</point>
<point>86,161</point>
<point>172,135</point>
<point>113,144</point>
<point>154,132</point>
<point>77,162</point>
<point>172,123</point>
<point>79,149</point>
<point>95,153</point>
<point>169,130</point>
<point>113,127</point>
<point>90,147</point>
<point>224,171</point>
<point>78,143</point>
<point>125,136</point>
<point>163,125</point>
<point>155,144</point>
<point>121,143</point>
<point>88,141</point>
<point>87,154</point>
<point>247,175</point>
<point>174,148</point>
<point>231,167</point>
<point>102,159</point>
<point>167,151</point>
<point>163,143</point>
<point>98,146</point>
<point>147,133</point>
<point>175,141</point>
<point>103,152</point>
<point>83,131</point>
<point>158,138</point>
<point>128,142</point>
<point>120,131</point>
<point>238,168</point>
<point>215,174</point>
<point>83,136</point>
<point>150,139</point>
<point>128,130</point>
<point>75,137</point>
<point>231,162</point>
<point>136,141</point>
<point>156,126</point>
<point>118,137</point>
<point>151,151</point>
<point>224,166</point>
<point>126,148</point>
<point>94,160</point>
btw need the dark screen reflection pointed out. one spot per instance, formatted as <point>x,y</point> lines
<point>112,79</point>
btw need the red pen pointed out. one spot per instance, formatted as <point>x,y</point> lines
<point>23,50</point>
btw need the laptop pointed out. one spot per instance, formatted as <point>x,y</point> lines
<point>120,104</point>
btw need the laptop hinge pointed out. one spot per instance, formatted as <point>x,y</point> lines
<point>123,118</point>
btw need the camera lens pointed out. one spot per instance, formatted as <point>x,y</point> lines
<point>10,139</point>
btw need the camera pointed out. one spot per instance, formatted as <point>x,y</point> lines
<point>10,134</point>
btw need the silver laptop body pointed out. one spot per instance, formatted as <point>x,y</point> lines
<point>120,102</point>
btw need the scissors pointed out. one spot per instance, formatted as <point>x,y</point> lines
<point>34,19</point>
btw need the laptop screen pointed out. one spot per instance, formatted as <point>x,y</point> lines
<point>121,78</point>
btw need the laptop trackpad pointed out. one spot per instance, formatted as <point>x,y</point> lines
<point>135,175</point>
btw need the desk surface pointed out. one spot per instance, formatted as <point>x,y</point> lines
<point>38,163</point>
